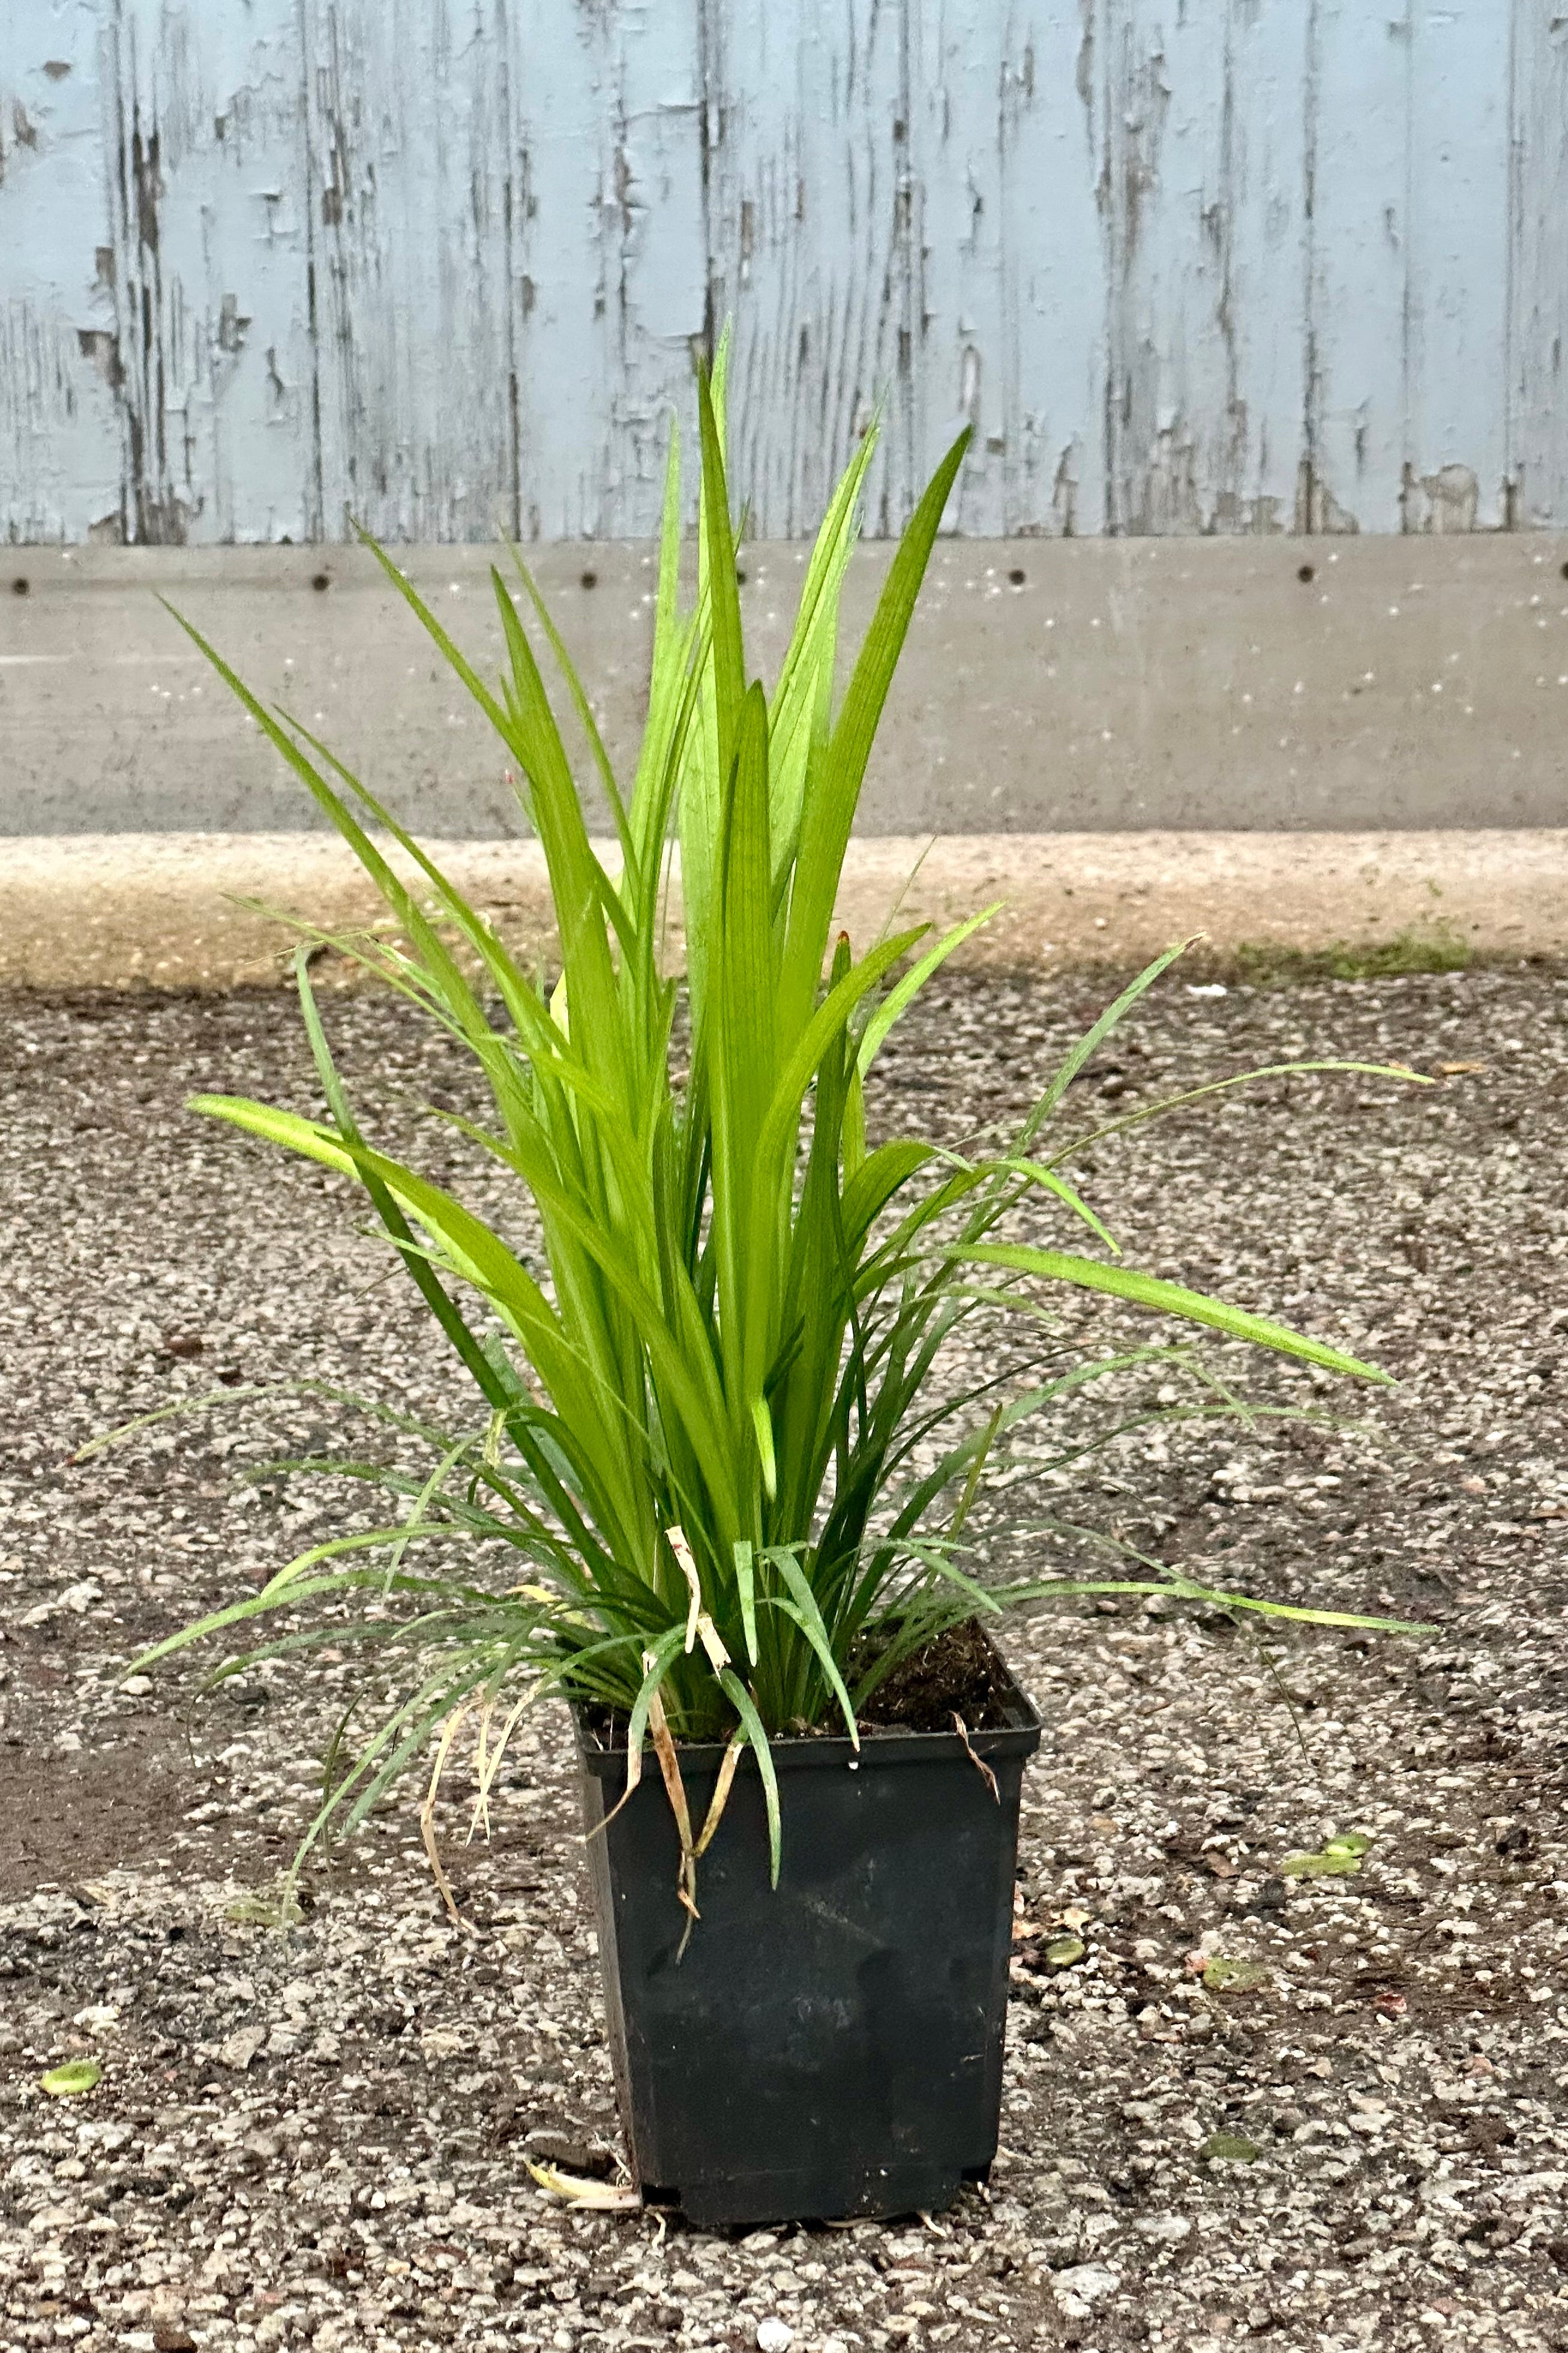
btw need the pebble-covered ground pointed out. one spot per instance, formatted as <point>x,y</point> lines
<point>1261,2106</point>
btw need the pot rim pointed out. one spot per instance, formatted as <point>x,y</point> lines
<point>802,1752</point>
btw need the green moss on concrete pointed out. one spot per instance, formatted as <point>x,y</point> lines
<point>1266,964</point>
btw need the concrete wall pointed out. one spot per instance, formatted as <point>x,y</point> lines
<point>1106,685</point>
<point>1230,266</point>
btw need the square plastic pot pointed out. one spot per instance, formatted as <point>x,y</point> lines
<point>832,2047</point>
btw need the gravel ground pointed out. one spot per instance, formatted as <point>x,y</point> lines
<point>317,2132</point>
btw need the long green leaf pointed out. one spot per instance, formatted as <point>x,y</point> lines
<point>1094,1037</point>
<point>1165,1298</point>
<point>752,1725</point>
<point>707,1327</point>
<point>745,1590</point>
<point>901,997</point>
<point>833,790</point>
<point>816,1633</point>
<point>1223,1086</point>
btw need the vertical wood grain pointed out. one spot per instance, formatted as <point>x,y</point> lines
<point>1185,266</point>
<point>1198,123</point>
<point>612,301</point>
<point>1456,463</point>
<point>406,191</point>
<point>1012,301</point>
<point>509,262</point>
<point>59,426</point>
<point>1358,268</point>
<point>204,196</point>
<point>1538,280</point>
<point>811,246</point>
<point>1411,269</point>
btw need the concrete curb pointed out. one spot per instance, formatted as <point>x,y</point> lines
<point>122,910</point>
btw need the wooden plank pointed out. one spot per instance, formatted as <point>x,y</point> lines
<point>1052,282</point>
<point>901,212</point>
<point>1409,271</point>
<point>1131,94</point>
<point>1456,462</point>
<point>59,427</point>
<point>202,155</point>
<point>810,232</point>
<point>1537,336</point>
<point>1261,219</point>
<point>1216,267</point>
<point>560,299</point>
<point>508,260</point>
<point>1356,268</point>
<point>655,251</point>
<point>1011,300</point>
<point>1198,126</point>
<point>161,220</point>
<point>409,141</point>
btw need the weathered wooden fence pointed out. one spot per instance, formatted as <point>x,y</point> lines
<point>1217,265</point>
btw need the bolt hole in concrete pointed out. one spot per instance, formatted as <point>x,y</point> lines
<point>322,582</point>
<point>19,585</point>
<point>1017,576</point>
<point>1307,571</point>
<point>590,580</point>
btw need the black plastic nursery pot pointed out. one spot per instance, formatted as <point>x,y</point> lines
<point>831,2047</point>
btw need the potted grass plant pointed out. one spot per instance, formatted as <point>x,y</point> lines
<point>716,1484</point>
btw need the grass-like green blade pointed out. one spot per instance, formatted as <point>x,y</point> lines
<point>903,994</point>
<point>810,1622</point>
<point>1167,1299</point>
<point>1223,1086</point>
<point>745,1591</point>
<point>731,1318</point>
<point>584,710</point>
<point>1182,1589</point>
<point>833,788</point>
<point>752,1725</point>
<point>1094,1037</point>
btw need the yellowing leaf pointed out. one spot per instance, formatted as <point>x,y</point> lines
<point>575,2189</point>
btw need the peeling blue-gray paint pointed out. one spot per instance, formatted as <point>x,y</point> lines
<point>1229,267</point>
